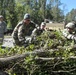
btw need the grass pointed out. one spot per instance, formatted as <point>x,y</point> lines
<point>7,36</point>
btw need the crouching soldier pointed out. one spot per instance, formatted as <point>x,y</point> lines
<point>69,31</point>
<point>37,31</point>
<point>23,29</point>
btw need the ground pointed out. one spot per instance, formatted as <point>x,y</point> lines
<point>55,26</point>
<point>8,42</point>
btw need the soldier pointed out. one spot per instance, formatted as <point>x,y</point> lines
<point>39,30</point>
<point>23,29</point>
<point>3,29</point>
<point>43,25</point>
<point>69,31</point>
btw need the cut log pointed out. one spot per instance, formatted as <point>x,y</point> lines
<point>11,59</point>
<point>54,58</point>
<point>8,60</point>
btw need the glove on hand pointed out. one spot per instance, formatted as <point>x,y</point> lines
<point>28,40</point>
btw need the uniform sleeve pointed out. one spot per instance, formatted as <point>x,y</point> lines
<point>68,35</point>
<point>34,32</point>
<point>21,35</point>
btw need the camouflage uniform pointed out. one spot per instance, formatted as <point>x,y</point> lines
<point>69,31</point>
<point>67,34</point>
<point>3,28</point>
<point>37,31</point>
<point>22,30</point>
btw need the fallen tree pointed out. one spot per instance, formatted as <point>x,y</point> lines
<point>48,54</point>
<point>11,59</point>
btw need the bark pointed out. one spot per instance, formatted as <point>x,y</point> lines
<point>5,61</point>
<point>54,58</point>
<point>9,60</point>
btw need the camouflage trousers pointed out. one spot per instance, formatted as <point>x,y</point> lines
<point>16,42</point>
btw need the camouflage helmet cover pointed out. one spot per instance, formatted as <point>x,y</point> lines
<point>1,16</point>
<point>43,24</point>
<point>27,16</point>
<point>70,25</point>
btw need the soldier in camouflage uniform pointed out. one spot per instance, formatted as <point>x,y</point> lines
<point>69,31</point>
<point>3,29</point>
<point>39,30</point>
<point>23,29</point>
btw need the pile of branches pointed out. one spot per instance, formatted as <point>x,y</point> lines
<point>49,54</point>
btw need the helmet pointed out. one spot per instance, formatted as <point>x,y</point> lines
<point>1,16</point>
<point>43,24</point>
<point>27,16</point>
<point>70,25</point>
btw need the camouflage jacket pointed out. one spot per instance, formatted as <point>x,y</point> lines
<point>22,30</point>
<point>69,35</point>
<point>37,31</point>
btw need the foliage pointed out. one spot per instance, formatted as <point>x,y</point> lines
<point>54,45</point>
<point>14,10</point>
<point>71,15</point>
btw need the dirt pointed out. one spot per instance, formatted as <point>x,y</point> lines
<point>55,26</point>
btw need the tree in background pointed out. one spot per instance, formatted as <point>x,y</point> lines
<point>7,9</point>
<point>14,10</point>
<point>71,15</point>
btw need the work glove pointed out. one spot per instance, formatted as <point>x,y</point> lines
<point>28,40</point>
